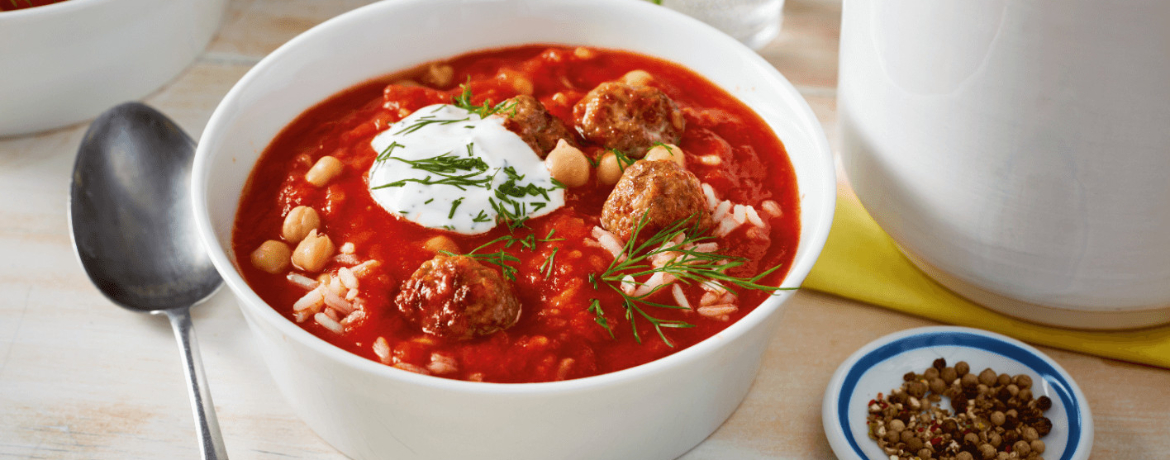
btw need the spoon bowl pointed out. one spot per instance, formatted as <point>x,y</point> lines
<point>132,224</point>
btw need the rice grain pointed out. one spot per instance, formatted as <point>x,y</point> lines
<point>382,349</point>
<point>312,301</point>
<point>302,280</point>
<point>680,297</point>
<point>328,323</point>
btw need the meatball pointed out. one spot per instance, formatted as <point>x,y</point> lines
<point>457,297</point>
<point>662,191</point>
<point>532,122</point>
<point>627,118</point>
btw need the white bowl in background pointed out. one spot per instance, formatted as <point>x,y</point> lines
<point>66,62</point>
<point>368,410</point>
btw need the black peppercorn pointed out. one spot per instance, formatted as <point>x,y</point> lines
<point>1043,403</point>
<point>1003,394</point>
<point>958,404</point>
<point>1011,420</point>
<point>1042,425</point>
<point>916,389</point>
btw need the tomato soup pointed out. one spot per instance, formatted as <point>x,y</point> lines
<point>601,269</point>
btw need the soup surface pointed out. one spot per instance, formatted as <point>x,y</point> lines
<point>525,214</point>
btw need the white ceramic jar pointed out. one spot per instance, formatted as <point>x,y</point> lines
<point>1018,150</point>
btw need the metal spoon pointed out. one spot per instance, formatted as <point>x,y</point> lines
<point>131,216</point>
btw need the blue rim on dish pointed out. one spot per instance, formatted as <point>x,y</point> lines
<point>844,382</point>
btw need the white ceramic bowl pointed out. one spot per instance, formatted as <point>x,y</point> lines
<point>879,365</point>
<point>367,410</point>
<point>66,62</point>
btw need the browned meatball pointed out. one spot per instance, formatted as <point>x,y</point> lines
<point>457,297</point>
<point>627,118</point>
<point>532,122</point>
<point>662,191</point>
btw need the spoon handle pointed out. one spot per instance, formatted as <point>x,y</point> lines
<point>207,427</point>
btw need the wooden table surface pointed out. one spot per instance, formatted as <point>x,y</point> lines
<point>83,379</point>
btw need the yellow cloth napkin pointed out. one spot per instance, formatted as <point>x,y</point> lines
<point>861,262</point>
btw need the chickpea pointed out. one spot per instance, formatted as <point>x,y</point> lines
<point>298,223</point>
<point>637,78</point>
<point>608,169</point>
<point>441,243</point>
<point>567,164</point>
<point>668,152</point>
<point>272,256</point>
<point>439,75</point>
<point>584,53</point>
<point>313,252</point>
<point>1037,446</point>
<point>323,171</point>
<point>517,80</point>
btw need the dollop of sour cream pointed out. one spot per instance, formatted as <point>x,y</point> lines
<point>445,167</point>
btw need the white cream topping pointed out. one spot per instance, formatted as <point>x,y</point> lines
<point>445,167</point>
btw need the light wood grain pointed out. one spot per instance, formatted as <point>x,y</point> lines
<point>83,379</point>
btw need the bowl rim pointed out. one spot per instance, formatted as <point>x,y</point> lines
<point>842,386</point>
<point>821,159</point>
<point>59,8</point>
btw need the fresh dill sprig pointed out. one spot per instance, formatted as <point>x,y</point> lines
<point>547,268</point>
<point>687,266</point>
<point>463,101</point>
<point>499,258</point>
<point>503,259</point>
<point>389,150</point>
<point>429,120</point>
<point>666,146</point>
<point>454,205</point>
<point>623,160</point>
<point>599,316</point>
<point>456,171</point>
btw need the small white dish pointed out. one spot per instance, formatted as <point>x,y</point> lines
<point>878,367</point>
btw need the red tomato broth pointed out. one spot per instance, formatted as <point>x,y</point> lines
<point>555,323</point>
